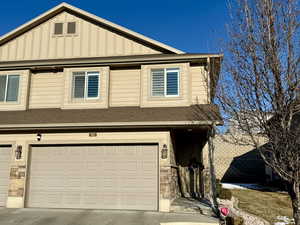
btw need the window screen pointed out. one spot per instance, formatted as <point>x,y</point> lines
<point>158,82</point>
<point>12,88</point>
<point>71,28</point>
<point>172,82</point>
<point>9,88</point>
<point>79,85</point>
<point>2,88</point>
<point>58,28</point>
<point>93,85</point>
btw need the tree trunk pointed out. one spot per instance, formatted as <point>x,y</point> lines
<point>211,149</point>
<point>294,193</point>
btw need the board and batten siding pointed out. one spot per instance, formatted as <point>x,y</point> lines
<point>124,88</point>
<point>46,90</point>
<point>90,40</point>
<point>199,85</point>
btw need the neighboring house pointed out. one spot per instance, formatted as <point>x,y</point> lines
<point>93,115</point>
<point>238,163</point>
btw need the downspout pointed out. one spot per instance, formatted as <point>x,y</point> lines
<point>208,81</point>
<point>108,87</point>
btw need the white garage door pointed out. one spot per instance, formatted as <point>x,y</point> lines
<point>94,177</point>
<point>5,153</point>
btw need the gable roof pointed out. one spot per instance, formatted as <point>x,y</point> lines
<point>67,7</point>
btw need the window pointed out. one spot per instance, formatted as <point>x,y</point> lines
<point>65,28</point>
<point>71,29</point>
<point>165,82</point>
<point>85,85</point>
<point>58,28</point>
<point>9,88</point>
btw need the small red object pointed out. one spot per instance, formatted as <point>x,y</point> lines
<point>224,211</point>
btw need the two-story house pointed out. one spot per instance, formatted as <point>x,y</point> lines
<point>96,116</point>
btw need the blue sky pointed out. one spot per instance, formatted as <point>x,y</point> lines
<point>196,26</point>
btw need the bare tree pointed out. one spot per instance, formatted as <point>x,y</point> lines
<point>212,172</point>
<point>261,77</point>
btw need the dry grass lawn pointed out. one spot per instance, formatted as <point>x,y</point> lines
<point>267,205</point>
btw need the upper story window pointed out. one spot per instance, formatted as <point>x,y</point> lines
<point>165,82</point>
<point>65,28</point>
<point>58,28</point>
<point>71,29</point>
<point>86,85</point>
<point>9,88</point>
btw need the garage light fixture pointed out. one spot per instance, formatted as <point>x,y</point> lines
<point>38,137</point>
<point>164,152</point>
<point>18,152</point>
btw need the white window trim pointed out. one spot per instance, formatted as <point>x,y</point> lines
<point>6,86</point>
<point>165,83</point>
<point>86,75</point>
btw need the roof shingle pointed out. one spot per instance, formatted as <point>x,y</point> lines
<point>204,112</point>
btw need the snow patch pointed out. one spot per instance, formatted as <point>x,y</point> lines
<point>284,220</point>
<point>243,186</point>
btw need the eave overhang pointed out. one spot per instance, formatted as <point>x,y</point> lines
<point>106,61</point>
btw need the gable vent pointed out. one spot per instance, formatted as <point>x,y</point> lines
<point>71,28</point>
<point>58,28</point>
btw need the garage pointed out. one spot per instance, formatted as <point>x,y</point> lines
<point>94,177</point>
<point>5,153</point>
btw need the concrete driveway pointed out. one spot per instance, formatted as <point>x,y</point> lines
<point>98,217</point>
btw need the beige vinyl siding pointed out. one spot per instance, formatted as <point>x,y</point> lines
<point>46,90</point>
<point>199,85</point>
<point>124,88</point>
<point>90,40</point>
<point>184,87</point>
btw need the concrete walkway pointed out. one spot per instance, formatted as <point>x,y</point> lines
<point>190,205</point>
<point>98,217</point>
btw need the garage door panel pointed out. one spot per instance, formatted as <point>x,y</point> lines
<point>5,156</point>
<point>104,177</point>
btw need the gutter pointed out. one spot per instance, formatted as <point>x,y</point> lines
<point>109,125</point>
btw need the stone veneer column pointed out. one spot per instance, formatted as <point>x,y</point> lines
<point>165,192</point>
<point>174,184</point>
<point>17,179</point>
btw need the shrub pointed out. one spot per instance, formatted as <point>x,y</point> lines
<point>218,187</point>
<point>225,194</point>
<point>221,192</point>
<point>234,221</point>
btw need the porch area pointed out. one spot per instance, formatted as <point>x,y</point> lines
<point>190,187</point>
